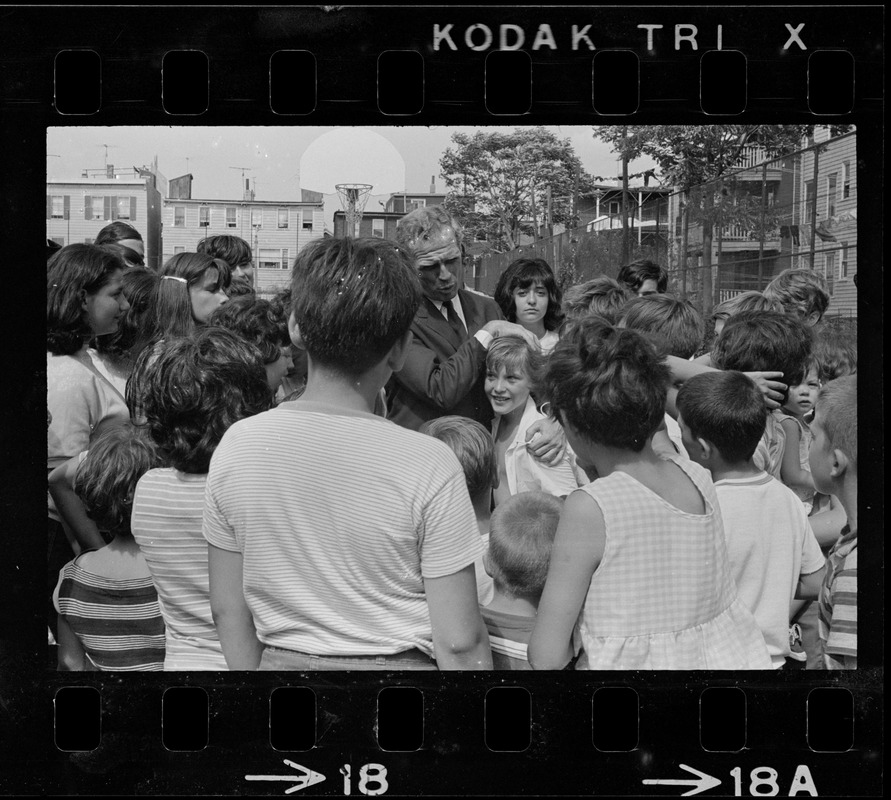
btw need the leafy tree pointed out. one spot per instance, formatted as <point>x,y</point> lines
<point>509,176</point>
<point>693,158</point>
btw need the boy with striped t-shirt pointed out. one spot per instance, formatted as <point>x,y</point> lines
<point>520,540</point>
<point>833,462</point>
<point>337,539</point>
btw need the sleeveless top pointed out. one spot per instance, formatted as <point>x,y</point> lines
<point>663,596</point>
<point>118,622</point>
<point>804,445</point>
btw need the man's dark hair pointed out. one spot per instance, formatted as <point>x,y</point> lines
<point>765,341</point>
<point>353,299</point>
<point>634,274</point>
<point>726,409</point>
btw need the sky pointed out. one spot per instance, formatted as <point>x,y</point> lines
<point>282,160</point>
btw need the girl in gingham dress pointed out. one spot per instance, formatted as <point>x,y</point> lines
<point>639,576</point>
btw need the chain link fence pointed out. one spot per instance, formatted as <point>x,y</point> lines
<point>725,237</point>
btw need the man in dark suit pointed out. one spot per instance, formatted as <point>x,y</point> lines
<point>444,370</point>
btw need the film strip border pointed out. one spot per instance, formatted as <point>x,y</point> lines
<point>355,65</point>
<point>479,736</point>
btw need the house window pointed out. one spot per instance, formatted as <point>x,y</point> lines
<point>283,218</point>
<point>256,217</point>
<point>417,202</point>
<point>844,259</point>
<point>179,250</point>
<point>179,216</point>
<point>94,207</point>
<point>204,216</point>
<point>88,240</point>
<point>829,267</point>
<point>307,219</point>
<point>57,203</point>
<point>377,227</point>
<point>614,208</point>
<point>831,190</point>
<point>846,180</point>
<point>271,258</point>
<point>59,240</point>
<point>231,217</point>
<point>123,208</point>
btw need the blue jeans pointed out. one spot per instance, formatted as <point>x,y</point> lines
<point>274,658</point>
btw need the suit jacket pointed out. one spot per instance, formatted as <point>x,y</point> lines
<point>443,374</point>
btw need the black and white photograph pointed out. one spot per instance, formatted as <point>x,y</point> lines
<point>556,397</point>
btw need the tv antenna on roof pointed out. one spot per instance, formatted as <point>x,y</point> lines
<point>106,146</point>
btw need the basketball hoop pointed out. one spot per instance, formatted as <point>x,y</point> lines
<point>353,197</point>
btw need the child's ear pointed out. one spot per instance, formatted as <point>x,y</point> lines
<point>706,447</point>
<point>486,566</point>
<point>294,332</point>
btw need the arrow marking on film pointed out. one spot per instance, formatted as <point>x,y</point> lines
<point>700,783</point>
<point>307,778</point>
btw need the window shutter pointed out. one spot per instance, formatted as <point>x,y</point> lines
<point>106,208</point>
<point>113,207</point>
<point>66,214</point>
<point>132,209</point>
<point>49,207</point>
<point>88,207</point>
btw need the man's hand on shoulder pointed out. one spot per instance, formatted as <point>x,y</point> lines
<point>501,327</point>
<point>546,441</point>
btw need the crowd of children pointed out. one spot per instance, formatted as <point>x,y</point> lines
<point>226,492</point>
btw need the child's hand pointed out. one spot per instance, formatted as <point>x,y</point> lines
<point>773,389</point>
<point>546,441</point>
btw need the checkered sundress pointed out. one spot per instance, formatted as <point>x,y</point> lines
<point>663,596</point>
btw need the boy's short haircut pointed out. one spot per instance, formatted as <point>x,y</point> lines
<point>837,407</point>
<point>353,299</point>
<point>744,301</point>
<point>106,479</point>
<point>521,536</point>
<point>234,250</point>
<point>516,355</point>
<point>603,295</point>
<point>634,275</point>
<point>196,388</point>
<point>835,349</point>
<point>473,446</point>
<point>726,409</point>
<point>799,291</point>
<point>674,325</point>
<point>256,321</point>
<point>765,341</point>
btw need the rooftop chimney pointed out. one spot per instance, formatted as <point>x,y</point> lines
<point>432,184</point>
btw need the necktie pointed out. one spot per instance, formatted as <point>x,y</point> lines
<point>454,320</point>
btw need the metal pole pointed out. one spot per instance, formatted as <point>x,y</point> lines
<point>761,236</point>
<point>814,207</point>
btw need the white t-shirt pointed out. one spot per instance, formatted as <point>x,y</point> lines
<point>770,544</point>
<point>339,516</point>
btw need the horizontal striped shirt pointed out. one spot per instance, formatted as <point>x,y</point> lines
<point>509,638</point>
<point>118,622</point>
<point>166,523</point>
<point>838,604</point>
<point>340,516</point>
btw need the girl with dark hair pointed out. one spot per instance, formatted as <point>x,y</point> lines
<point>114,354</point>
<point>191,287</point>
<point>194,390</point>
<point>528,294</point>
<point>639,573</point>
<point>84,298</point>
